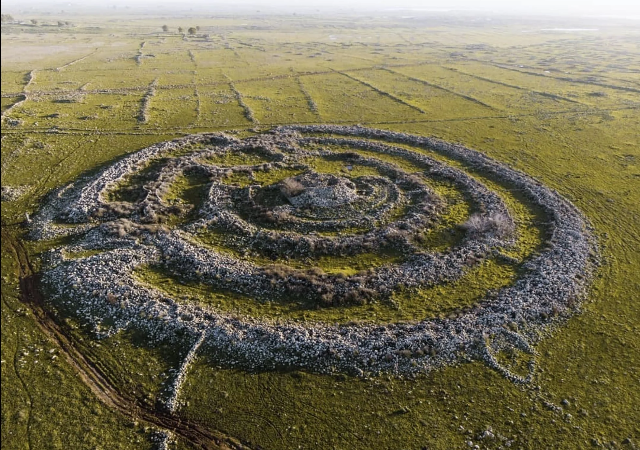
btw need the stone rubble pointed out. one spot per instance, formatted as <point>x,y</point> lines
<point>13,193</point>
<point>102,291</point>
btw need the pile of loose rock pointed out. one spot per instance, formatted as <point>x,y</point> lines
<point>307,216</point>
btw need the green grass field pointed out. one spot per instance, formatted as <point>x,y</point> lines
<point>563,107</point>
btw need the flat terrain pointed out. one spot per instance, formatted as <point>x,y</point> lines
<point>559,101</point>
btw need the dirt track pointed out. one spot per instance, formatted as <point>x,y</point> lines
<point>93,377</point>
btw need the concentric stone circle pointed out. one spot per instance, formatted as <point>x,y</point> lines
<point>309,214</point>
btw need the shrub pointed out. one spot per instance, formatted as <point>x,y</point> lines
<point>290,187</point>
<point>495,224</point>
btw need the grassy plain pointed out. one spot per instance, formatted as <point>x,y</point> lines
<point>561,106</point>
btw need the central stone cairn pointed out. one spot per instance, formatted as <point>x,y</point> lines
<point>307,214</point>
<point>317,190</point>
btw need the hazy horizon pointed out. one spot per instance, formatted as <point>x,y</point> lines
<point>573,8</point>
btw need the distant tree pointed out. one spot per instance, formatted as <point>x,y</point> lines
<point>7,18</point>
<point>192,30</point>
<point>165,28</point>
<point>34,21</point>
<point>198,27</point>
<point>180,29</point>
<point>61,23</point>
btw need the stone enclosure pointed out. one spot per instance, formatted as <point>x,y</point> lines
<point>306,214</point>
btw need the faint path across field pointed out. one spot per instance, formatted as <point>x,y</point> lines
<point>92,375</point>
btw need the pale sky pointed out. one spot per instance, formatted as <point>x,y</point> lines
<point>576,8</point>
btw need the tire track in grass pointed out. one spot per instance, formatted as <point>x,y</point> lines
<point>16,370</point>
<point>90,373</point>
<point>28,394</point>
<point>41,187</point>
